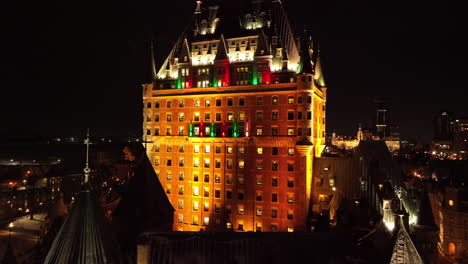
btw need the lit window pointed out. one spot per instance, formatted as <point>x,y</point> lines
<point>196,162</point>
<point>259,151</point>
<point>195,205</point>
<point>290,229</point>
<point>180,218</point>
<point>181,176</point>
<point>241,150</point>
<point>259,179</point>
<point>196,149</point>
<point>195,220</point>
<point>450,202</point>
<point>274,100</point>
<point>230,116</point>
<point>196,117</point>
<point>206,220</point>
<point>181,162</point>
<point>241,116</point>
<point>290,131</point>
<point>290,99</point>
<point>259,164</point>
<point>241,164</point>
<point>181,117</point>
<point>259,131</point>
<point>290,198</point>
<point>180,204</point>
<point>181,148</point>
<point>207,163</point>
<point>196,103</point>
<point>207,102</point>
<point>291,151</point>
<point>240,209</point>
<point>258,211</point>
<point>181,189</point>
<point>229,150</point>
<point>207,148</point>
<point>206,192</point>
<point>241,179</point>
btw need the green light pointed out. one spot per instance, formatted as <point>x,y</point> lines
<point>212,130</point>
<point>179,83</point>
<point>235,129</point>
<point>215,82</point>
<point>254,79</point>
<point>190,130</point>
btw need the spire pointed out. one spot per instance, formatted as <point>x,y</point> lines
<point>154,74</point>
<point>87,170</point>
<point>263,47</point>
<point>185,52</point>
<point>222,53</point>
<point>305,66</point>
<point>198,9</point>
<point>319,79</point>
<point>404,250</point>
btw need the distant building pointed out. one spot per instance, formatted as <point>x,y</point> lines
<point>450,139</point>
<point>233,119</point>
<point>392,142</point>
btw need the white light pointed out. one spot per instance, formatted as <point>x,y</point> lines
<point>390,226</point>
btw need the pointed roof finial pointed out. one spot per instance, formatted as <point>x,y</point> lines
<point>87,170</point>
<point>198,10</point>
<point>154,73</point>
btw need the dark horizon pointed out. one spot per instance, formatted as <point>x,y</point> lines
<point>70,67</point>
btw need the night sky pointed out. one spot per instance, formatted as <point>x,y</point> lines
<point>68,65</point>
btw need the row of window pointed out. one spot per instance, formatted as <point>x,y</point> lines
<point>240,194</point>
<point>259,116</point>
<point>259,164</point>
<point>240,225</point>
<point>259,131</point>
<point>217,149</point>
<point>240,209</point>
<point>259,179</point>
<point>230,101</point>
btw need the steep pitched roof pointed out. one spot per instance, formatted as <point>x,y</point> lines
<point>221,53</point>
<point>404,250</point>
<point>85,236</point>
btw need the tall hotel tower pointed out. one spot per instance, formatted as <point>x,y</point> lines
<point>234,118</point>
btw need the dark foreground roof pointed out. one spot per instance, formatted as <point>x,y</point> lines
<point>85,236</point>
<point>249,247</point>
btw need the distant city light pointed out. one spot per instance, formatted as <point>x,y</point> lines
<point>11,225</point>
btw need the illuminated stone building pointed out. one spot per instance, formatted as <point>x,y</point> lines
<point>233,119</point>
